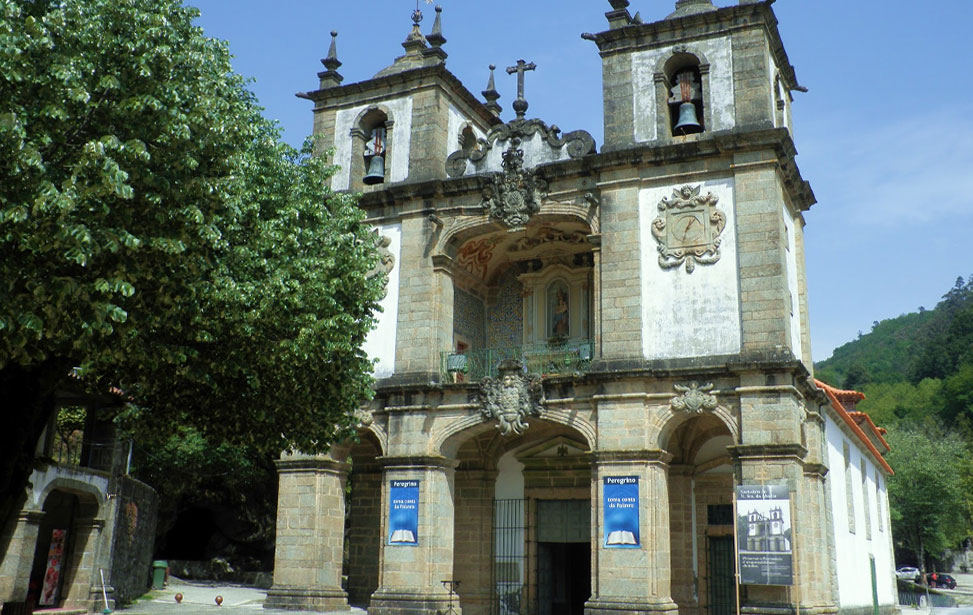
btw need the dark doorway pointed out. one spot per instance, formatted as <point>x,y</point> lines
<point>722,582</point>
<point>563,577</point>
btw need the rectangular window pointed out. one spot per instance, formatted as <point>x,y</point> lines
<point>849,490</point>
<point>865,499</point>
<point>878,501</point>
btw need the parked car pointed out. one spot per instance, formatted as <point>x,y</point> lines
<point>941,579</point>
<point>907,573</point>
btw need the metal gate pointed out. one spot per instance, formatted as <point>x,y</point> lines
<point>721,576</point>
<point>510,574</point>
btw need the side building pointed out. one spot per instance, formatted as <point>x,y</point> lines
<point>583,350</point>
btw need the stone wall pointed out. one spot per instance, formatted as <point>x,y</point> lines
<point>134,539</point>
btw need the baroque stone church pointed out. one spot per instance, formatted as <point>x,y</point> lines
<point>594,386</point>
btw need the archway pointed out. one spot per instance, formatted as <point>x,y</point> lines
<point>507,561</point>
<point>701,516</point>
<point>66,539</point>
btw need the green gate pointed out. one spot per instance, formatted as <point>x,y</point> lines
<point>721,577</point>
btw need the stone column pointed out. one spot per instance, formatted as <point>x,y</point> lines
<point>473,561</point>
<point>310,535</point>
<point>19,542</point>
<point>83,574</point>
<point>410,581</point>
<point>633,581</point>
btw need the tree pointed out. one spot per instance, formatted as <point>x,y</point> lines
<point>927,493</point>
<point>157,236</point>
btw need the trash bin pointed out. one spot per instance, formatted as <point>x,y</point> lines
<point>159,573</point>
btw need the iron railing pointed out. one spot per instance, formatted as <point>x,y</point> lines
<point>548,359</point>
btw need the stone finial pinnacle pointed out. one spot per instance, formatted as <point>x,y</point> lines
<point>491,95</point>
<point>520,105</point>
<point>436,38</point>
<point>331,62</point>
<point>330,77</point>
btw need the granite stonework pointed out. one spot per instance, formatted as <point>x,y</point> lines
<point>687,380</point>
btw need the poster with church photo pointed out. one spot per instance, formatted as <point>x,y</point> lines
<point>404,513</point>
<point>621,495</point>
<point>764,552</point>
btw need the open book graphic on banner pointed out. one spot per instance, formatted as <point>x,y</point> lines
<point>621,537</point>
<point>402,536</point>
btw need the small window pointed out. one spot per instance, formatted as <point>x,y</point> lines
<point>719,514</point>
<point>375,148</point>
<point>849,489</point>
<point>865,501</point>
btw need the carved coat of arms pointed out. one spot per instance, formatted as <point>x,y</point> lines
<point>511,397</point>
<point>688,229</point>
<point>694,398</point>
<point>516,194</point>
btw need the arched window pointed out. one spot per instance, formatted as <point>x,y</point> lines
<point>371,154</point>
<point>685,102</point>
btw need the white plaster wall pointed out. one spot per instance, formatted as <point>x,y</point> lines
<point>689,314</point>
<point>380,343</point>
<point>852,550</point>
<point>400,110</point>
<point>792,285</point>
<point>718,52</point>
<point>455,126</point>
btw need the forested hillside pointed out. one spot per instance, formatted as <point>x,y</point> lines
<point>916,371</point>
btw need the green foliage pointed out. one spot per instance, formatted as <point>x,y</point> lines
<point>929,508</point>
<point>156,233</point>
<point>888,403</point>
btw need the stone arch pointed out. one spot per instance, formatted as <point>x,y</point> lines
<point>447,440</point>
<point>685,56</point>
<point>461,229</point>
<point>668,421</point>
<point>92,498</point>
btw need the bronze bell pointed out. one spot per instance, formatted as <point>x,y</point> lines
<point>376,171</point>
<point>688,122</point>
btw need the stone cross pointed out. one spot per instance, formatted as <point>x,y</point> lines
<point>520,105</point>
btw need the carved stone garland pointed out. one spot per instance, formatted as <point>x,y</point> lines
<point>511,397</point>
<point>694,398</point>
<point>688,229</point>
<point>513,196</point>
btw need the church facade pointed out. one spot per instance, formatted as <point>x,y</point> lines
<point>586,351</point>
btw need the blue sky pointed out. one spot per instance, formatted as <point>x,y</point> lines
<point>883,135</point>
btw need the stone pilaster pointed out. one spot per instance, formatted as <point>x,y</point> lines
<point>310,535</point>
<point>78,588</point>
<point>633,581</point>
<point>19,542</point>
<point>472,560</point>
<point>410,581</point>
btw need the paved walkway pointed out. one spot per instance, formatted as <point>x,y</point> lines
<point>199,597</point>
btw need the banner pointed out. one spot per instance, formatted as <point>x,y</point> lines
<point>621,497</point>
<point>764,551</point>
<point>404,513</point>
<point>52,573</point>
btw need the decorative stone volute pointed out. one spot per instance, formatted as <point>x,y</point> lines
<point>511,397</point>
<point>688,229</point>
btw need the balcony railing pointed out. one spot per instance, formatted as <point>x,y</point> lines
<point>547,359</point>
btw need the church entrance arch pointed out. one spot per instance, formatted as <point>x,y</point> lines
<point>522,522</point>
<point>701,516</point>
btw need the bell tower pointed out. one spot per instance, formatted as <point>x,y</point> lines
<point>701,70</point>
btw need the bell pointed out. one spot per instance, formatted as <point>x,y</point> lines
<point>688,123</point>
<point>376,171</point>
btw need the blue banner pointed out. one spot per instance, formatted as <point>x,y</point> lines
<point>404,513</point>
<point>621,497</point>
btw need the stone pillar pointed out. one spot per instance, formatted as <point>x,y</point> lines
<point>633,581</point>
<point>18,542</point>
<point>310,535</point>
<point>410,581</point>
<point>81,570</point>
<point>473,562</point>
